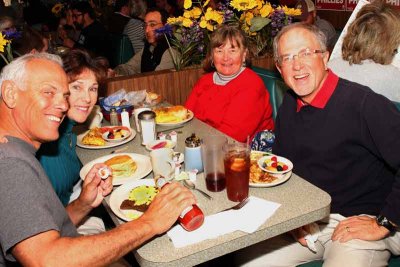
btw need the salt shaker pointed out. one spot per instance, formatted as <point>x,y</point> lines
<point>193,153</point>
<point>125,118</point>
<point>147,125</point>
<point>113,117</point>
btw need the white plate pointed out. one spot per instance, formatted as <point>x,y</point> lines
<point>189,117</point>
<point>279,159</point>
<point>122,193</point>
<point>108,144</point>
<point>116,140</point>
<point>283,178</point>
<point>168,144</point>
<point>143,167</point>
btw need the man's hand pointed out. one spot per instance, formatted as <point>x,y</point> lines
<point>166,207</point>
<point>94,189</point>
<point>359,227</point>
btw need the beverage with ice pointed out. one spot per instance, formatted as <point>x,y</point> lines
<point>237,169</point>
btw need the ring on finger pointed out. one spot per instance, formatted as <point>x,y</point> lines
<point>347,229</point>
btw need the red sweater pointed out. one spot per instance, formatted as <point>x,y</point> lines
<point>239,109</point>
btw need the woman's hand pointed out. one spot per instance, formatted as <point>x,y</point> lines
<point>299,234</point>
<point>359,227</point>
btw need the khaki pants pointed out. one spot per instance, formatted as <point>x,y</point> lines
<point>283,250</point>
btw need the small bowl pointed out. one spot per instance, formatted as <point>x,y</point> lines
<point>156,144</point>
<point>271,164</point>
<point>116,134</point>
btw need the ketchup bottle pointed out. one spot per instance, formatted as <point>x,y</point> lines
<point>192,217</point>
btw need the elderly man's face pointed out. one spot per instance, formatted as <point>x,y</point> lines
<point>152,22</point>
<point>305,75</point>
<point>42,102</point>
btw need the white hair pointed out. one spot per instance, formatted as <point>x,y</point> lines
<point>16,70</point>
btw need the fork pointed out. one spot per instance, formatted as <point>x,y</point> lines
<point>238,206</point>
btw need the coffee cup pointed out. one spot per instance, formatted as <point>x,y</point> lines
<point>162,162</point>
<point>95,118</point>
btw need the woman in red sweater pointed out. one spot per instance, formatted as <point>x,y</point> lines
<point>231,97</point>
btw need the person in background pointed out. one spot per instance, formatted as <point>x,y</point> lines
<point>156,54</point>
<point>231,97</point>
<point>342,137</point>
<point>31,41</point>
<point>368,49</point>
<point>120,22</point>
<point>93,35</point>
<point>35,228</point>
<point>309,15</point>
<point>6,23</point>
<point>59,158</point>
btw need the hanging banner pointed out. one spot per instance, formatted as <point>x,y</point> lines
<point>351,4</point>
<point>395,3</point>
<point>331,4</point>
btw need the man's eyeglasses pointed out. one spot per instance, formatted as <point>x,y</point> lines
<point>75,16</point>
<point>305,54</point>
<point>151,24</point>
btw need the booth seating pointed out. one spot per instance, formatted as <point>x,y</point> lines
<point>275,86</point>
<point>121,49</point>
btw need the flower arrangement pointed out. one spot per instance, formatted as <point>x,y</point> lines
<point>6,38</point>
<point>190,32</point>
<point>58,9</point>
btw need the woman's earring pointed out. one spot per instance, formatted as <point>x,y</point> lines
<point>212,63</point>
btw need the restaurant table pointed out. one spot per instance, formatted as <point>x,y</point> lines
<point>301,203</point>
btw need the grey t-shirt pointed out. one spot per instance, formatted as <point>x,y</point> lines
<point>29,205</point>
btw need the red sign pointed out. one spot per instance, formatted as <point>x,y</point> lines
<point>331,4</point>
<point>351,4</point>
<point>395,3</point>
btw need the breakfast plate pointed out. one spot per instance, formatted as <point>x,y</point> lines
<point>116,134</point>
<point>262,178</point>
<point>108,144</point>
<point>190,116</point>
<point>143,164</point>
<point>121,193</point>
<point>280,180</point>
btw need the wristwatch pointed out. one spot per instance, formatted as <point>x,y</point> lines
<point>383,221</point>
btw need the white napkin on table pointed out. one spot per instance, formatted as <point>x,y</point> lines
<point>248,219</point>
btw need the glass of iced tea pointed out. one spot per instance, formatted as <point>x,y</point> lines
<point>237,169</point>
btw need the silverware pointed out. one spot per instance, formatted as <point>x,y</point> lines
<point>119,150</point>
<point>189,184</point>
<point>238,206</point>
<point>169,129</point>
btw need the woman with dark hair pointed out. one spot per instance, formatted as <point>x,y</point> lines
<point>368,50</point>
<point>231,97</point>
<point>59,158</point>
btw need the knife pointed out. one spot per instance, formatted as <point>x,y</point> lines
<point>169,129</point>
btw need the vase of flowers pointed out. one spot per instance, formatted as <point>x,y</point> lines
<point>189,34</point>
<point>6,38</point>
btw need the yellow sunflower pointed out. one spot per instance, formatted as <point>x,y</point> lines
<point>290,11</point>
<point>266,10</point>
<point>187,4</point>
<point>3,42</point>
<point>243,5</point>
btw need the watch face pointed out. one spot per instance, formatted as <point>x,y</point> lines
<point>383,221</point>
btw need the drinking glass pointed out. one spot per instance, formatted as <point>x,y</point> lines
<point>237,169</point>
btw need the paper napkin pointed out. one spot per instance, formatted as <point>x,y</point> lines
<point>312,237</point>
<point>248,219</point>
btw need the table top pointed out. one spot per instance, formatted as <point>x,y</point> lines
<point>301,203</point>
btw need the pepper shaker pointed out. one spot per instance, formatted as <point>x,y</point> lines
<point>113,117</point>
<point>193,153</point>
